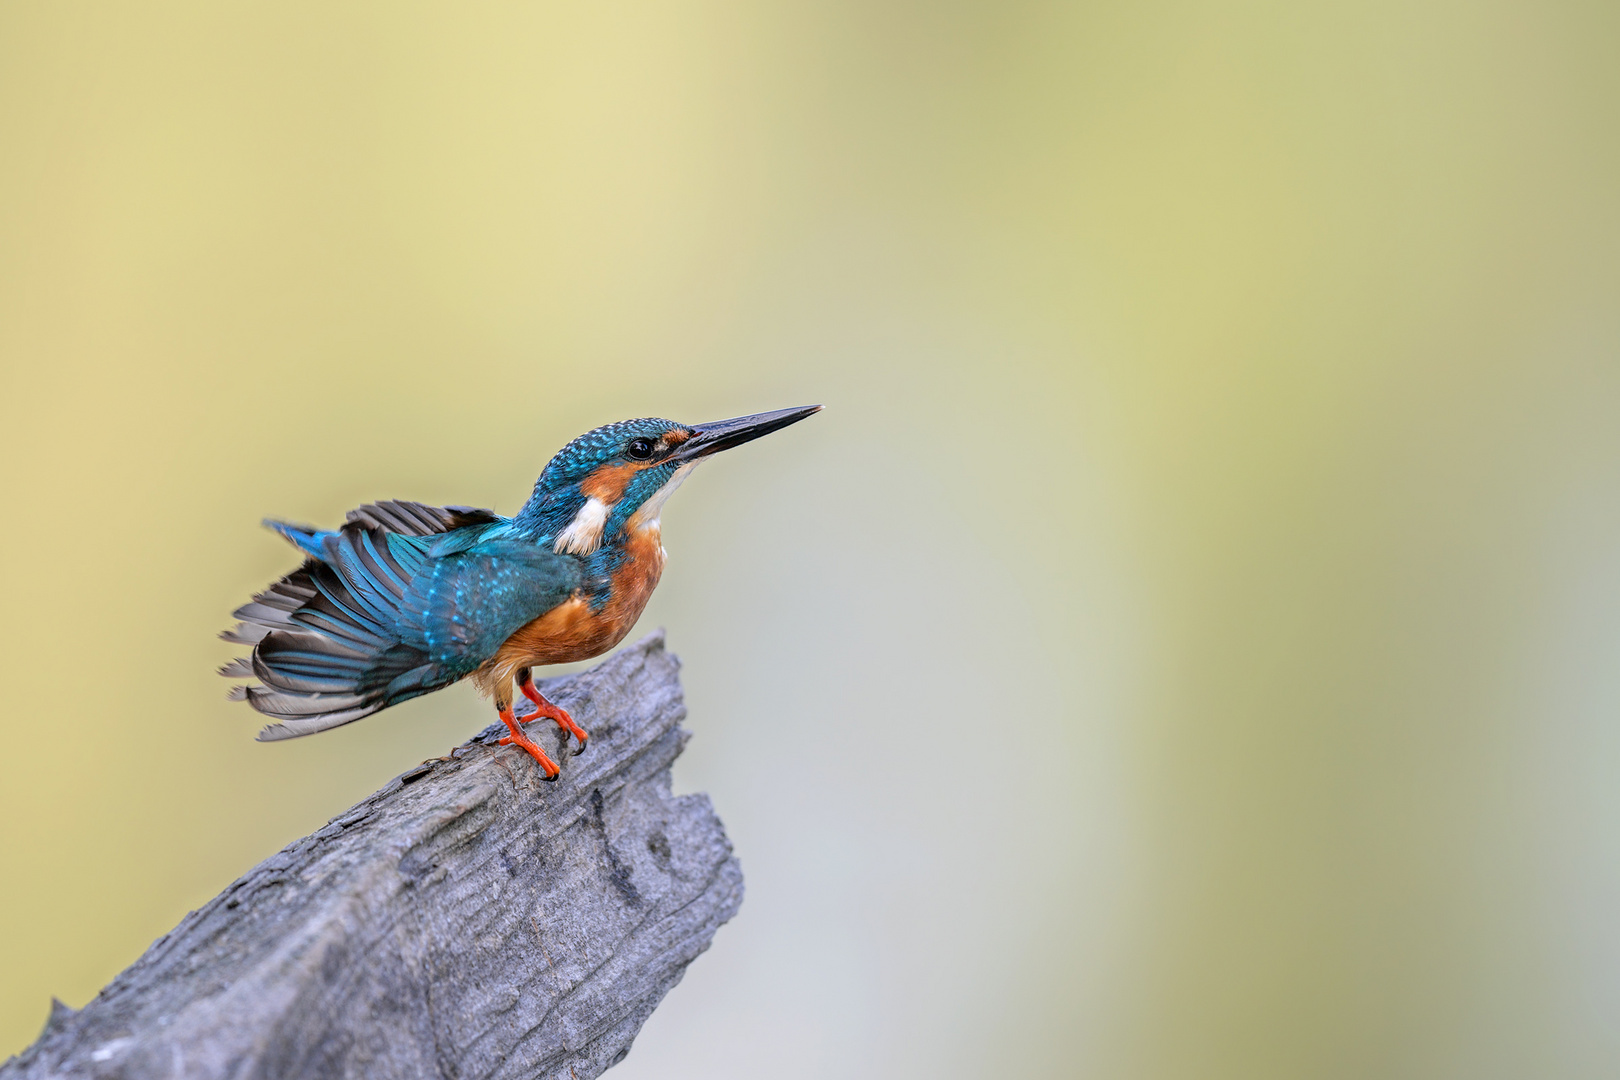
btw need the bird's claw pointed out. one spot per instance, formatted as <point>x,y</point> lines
<point>548,768</point>
<point>578,737</point>
<point>551,711</point>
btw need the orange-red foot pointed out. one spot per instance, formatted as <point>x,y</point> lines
<point>545,708</point>
<point>518,739</point>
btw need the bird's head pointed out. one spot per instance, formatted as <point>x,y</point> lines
<point>617,476</point>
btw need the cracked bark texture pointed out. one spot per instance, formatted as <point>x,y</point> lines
<point>466,921</point>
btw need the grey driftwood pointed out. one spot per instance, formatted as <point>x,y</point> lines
<point>466,921</point>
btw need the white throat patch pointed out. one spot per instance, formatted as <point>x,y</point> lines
<point>584,533</point>
<point>646,517</point>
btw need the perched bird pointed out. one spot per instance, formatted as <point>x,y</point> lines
<point>406,598</point>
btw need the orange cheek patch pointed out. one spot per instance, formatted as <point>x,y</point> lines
<point>607,484</point>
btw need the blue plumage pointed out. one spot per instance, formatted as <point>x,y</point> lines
<point>406,598</point>
<point>384,616</point>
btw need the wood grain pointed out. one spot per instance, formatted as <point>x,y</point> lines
<point>466,921</point>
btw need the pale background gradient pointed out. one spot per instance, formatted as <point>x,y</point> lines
<point>1188,645</point>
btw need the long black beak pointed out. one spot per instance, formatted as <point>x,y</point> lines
<point>724,434</point>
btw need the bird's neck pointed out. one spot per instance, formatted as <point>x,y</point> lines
<point>578,523</point>
<point>547,514</point>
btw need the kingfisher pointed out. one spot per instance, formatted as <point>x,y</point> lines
<point>405,598</point>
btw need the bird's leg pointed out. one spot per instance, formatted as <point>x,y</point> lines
<point>503,705</point>
<point>525,681</point>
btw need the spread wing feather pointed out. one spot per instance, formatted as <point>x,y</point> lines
<point>419,519</point>
<point>385,610</point>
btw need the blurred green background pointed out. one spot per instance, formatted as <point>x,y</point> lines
<point>1185,647</point>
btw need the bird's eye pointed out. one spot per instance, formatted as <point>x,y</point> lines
<point>640,449</point>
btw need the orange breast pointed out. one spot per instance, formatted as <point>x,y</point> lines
<point>572,631</point>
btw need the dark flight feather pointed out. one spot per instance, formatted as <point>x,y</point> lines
<point>386,611</point>
<point>419,519</point>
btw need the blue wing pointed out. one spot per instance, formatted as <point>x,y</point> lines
<point>394,515</point>
<point>403,600</point>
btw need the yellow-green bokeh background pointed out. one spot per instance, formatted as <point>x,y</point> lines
<point>1188,645</point>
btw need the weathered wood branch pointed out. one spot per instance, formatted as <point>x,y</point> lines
<point>466,921</point>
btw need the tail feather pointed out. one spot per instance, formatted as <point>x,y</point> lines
<point>332,624</point>
<point>382,563</point>
<point>309,664</point>
<point>326,645</point>
<point>398,669</point>
<point>244,634</point>
<point>298,714</point>
<point>272,609</point>
<point>375,604</point>
<point>326,638</point>
<point>303,537</point>
<point>297,664</point>
<point>341,607</point>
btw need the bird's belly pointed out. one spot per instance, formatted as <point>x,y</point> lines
<point>572,631</point>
